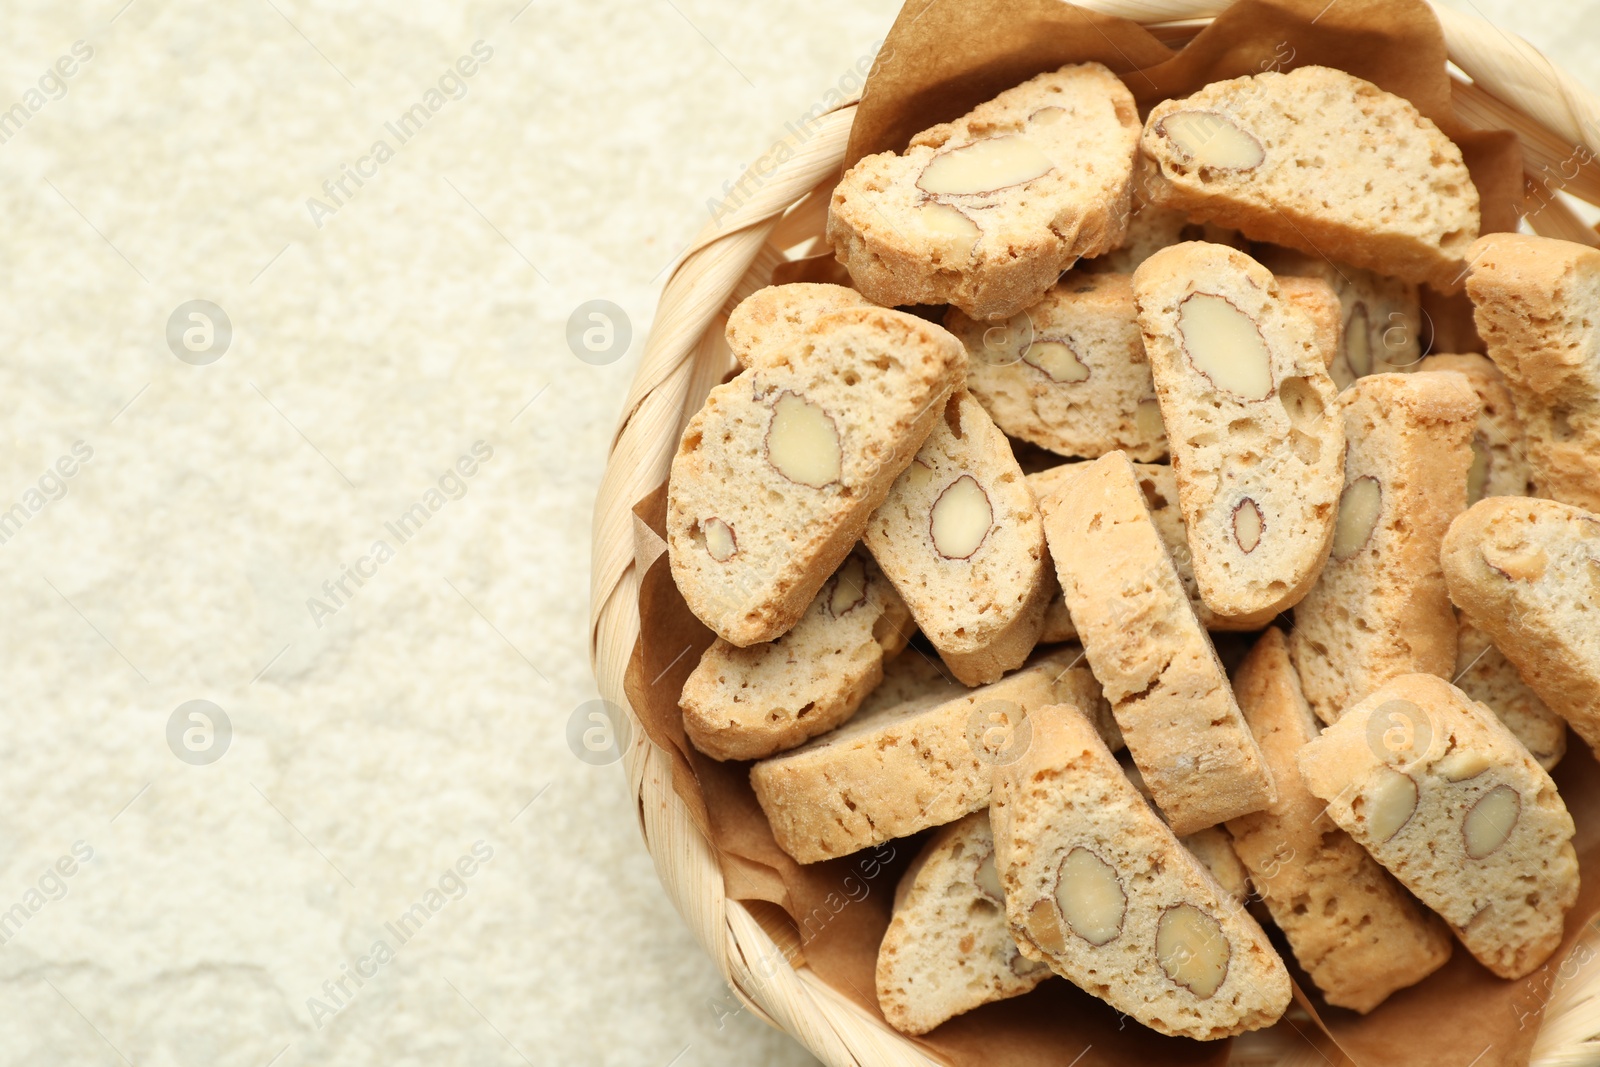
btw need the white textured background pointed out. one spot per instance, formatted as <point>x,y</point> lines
<point>369,754</point>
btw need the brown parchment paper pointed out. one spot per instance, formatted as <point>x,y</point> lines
<point>939,60</point>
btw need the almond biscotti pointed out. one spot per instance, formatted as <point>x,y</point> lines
<point>895,769</point>
<point>1167,689</point>
<point>776,475</point>
<point>1097,886</point>
<point>1485,675</point>
<point>770,319</point>
<point>1527,573</point>
<point>1380,608</point>
<point>1321,161</point>
<point>1534,300</point>
<point>1499,452</point>
<point>959,536</point>
<point>746,703</point>
<point>1381,318</point>
<point>948,948</point>
<point>1441,794</point>
<point>1247,402</point>
<point>1354,930</point>
<point>1160,490</point>
<point>986,211</point>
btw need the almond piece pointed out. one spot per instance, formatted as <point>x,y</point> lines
<point>1461,764</point>
<point>849,587</point>
<point>1147,419</point>
<point>1359,507</point>
<point>1056,360</point>
<point>1358,341</point>
<point>1490,822</point>
<point>721,544</point>
<point>1192,949</point>
<point>802,442</point>
<point>1391,800</point>
<point>1225,346</point>
<point>1210,139</point>
<point>1518,566</point>
<point>1044,928</point>
<point>984,166</point>
<point>988,879</point>
<point>960,519</point>
<point>947,221</point>
<point>1090,897</point>
<point>1247,525</point>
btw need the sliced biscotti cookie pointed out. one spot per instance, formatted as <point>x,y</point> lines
<point>1151,229</point>
<point>1069,373</point>
<point>948,948</point>
<point>770,319</point>
<point>1247,402</point>
<point>1527,573</point>
<point>1320,161</point>
<point>1379,608</point>
<point>1440,792</point>
<point>986,211</point>
<point>1534,300</point>
<point>776,475</point>
<point>1355,931</point>
<point>1485,675</point>
<point>959,536</point>
<point>1160,489</point>
<point>1097,886</point>
<point>746,703</point>
<point>1499,453</point>
<point>895,769</point>
<point>1167,689</point>
<point>1380,318</point>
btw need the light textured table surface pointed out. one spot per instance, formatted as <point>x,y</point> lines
<point>389,733</point>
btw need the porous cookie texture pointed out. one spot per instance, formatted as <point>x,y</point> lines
<point>1380,608</point>
<point>1167,689</point>
<point>959,535</point>
<point>1160,490</point>
<point>776,475</point>
<point>1535,302</point>
<point>1380,318</point>
<point>948,949</point>
<point>1527,574</point>
<point>1437,790</point>
<point>895,769</point>
<point>1097,886</point>
<point>1151,229</point>
<point>1485,675</point>
<point>1499,450</point>
<point>770,319</point>
<point>1353,929</point>
<point>985,212</point>
<point>746,703</point>
<point>1247,402</point>
<point>1320,161</point>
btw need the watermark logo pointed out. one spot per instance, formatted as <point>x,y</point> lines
<point>199,732</point>
<point>999,732</point>
<point>599,332</point>
<point>598,732</point>
<point>199,332</point>
<point>1400,733</point>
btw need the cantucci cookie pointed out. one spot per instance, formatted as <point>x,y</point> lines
<point>1354,930</point>
<point>959,536</point>
<point>746,703</point>
<point>1096,886</point>
<point>1499,453</point>
<point>1167,689</point>
<point>1533,300</point>
<point>1151,229</point>
<point>1160,489</point>
<point>1441,794</point>
<point>1321,161</point>
<point>1247,402</point>
<point>1527,573</point>
<point>948,948</point>
<point>1379,608</point>
<point>776,475</point>
<point>895,769</point>
<point>1068,374</point>
<point>1485,675</point>
<point>1380,318</point>
<point>770,319</point>
<point>986,211</point>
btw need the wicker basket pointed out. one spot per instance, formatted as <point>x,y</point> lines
<point>1512,87</point>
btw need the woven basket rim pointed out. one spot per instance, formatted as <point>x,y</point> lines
<point>734,251</point>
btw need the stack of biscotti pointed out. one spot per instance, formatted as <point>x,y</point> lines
<point>1171,393</point>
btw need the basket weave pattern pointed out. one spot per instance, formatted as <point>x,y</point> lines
<point>1513,87</point>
